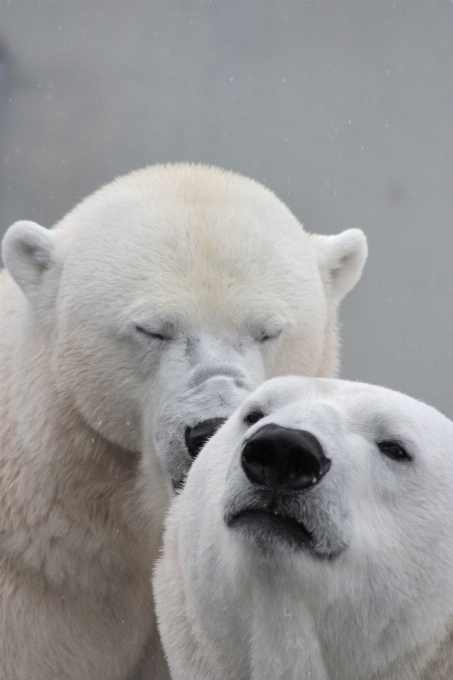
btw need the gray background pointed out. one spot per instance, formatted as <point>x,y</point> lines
<point>344,109</point>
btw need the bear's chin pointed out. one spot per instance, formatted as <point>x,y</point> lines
<point>269,530</point>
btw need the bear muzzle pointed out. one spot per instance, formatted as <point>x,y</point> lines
<point>283,467</point>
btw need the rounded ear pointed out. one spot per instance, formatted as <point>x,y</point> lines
<point>28,252</point>
<point>340,261</point>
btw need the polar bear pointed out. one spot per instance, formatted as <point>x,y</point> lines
<point>130,331</point>
<point>313,540</point>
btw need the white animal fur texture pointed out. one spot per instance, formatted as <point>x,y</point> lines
<point>343,571</point>
<point>158,303</point>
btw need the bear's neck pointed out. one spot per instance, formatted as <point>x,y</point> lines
<point>340,628</point>
<point>362,638</point>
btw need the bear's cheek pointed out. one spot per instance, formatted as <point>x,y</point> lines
<point>381,518</point>
<point>106,378</point>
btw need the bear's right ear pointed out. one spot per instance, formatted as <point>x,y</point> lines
<point>28,252</point>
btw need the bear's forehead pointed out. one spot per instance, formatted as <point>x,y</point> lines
<point>368,408</point>
<point>192,199</point>
<point>202,241</point>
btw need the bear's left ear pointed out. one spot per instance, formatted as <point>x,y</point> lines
<point>28,251</point>
<point>340,260</point>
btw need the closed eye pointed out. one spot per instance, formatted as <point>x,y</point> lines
<point>266,337</point>
<point>394,450</point>
<point>266,330</point>
<point>151,334</point>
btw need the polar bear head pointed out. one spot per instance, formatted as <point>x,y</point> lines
<point>171,293</point>
<point>328,505</point>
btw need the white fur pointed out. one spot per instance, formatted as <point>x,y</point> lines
<point>371,598</point>
<point>158,302</point>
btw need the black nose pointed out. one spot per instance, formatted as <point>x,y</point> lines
<point>282,457</point>
<point>197,436</point>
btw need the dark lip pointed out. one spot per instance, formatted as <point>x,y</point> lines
<point>178,484</point>
<point>266,526</point>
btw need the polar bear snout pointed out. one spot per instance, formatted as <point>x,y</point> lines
<point>284,458</point>
<point>197,436</point>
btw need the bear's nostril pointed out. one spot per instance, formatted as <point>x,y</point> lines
<point>197,436</point>
<point>283,457</point>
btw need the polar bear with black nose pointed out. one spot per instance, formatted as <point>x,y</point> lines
<point>314,541</point>
<point>129,332</point>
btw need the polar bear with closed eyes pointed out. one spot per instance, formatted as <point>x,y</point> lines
<point>314,541</point>
<point>129,331</point>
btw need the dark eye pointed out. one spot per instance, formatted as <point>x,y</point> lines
<point>151,334</point>
<point>253,417</point>
<point>394,450</point>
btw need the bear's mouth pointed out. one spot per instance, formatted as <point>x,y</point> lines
<point>268,528</point>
